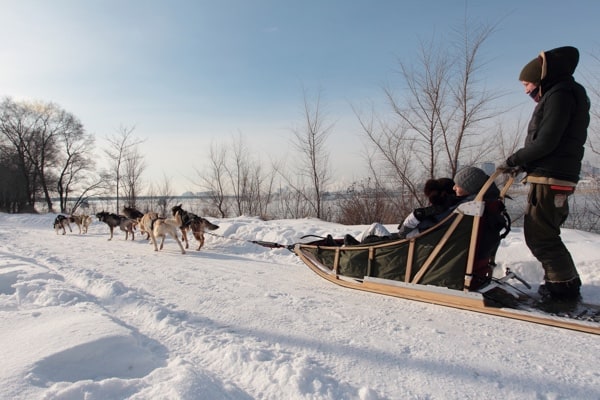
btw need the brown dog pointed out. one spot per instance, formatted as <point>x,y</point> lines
<point>82,221</point>
<point>127,225</point>
<point>200,225</point>
<point>86,221</point>
<point>196,224</point>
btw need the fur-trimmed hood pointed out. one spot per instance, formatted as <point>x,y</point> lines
<point>558,64</point>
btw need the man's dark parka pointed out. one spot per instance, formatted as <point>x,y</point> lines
<point>557,131</point>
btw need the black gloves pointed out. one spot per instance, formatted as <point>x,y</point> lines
<point>513,170</point>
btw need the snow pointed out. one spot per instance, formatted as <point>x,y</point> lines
<point>87,318</point>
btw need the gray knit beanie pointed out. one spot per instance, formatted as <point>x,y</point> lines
<point>471,179</point>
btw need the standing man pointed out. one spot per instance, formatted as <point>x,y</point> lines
<point>551,157</point>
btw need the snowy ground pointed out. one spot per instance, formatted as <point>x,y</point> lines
<point>86,318</point>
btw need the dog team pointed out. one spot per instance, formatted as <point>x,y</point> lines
<point>150,224</point>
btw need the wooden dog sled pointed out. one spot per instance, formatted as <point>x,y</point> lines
<point>440,265</point>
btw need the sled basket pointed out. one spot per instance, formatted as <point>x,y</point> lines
<point>456,253</point>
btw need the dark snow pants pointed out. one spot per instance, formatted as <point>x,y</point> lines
<point>547,210</point>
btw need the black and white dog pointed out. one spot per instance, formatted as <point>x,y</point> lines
<point>60,222</point>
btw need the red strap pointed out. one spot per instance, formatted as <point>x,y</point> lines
<point>562,188</point>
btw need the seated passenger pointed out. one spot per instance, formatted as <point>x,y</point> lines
<point>469,181</point>
<point>440,193</point>
<point>441,197</point>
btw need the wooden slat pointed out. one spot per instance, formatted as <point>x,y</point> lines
<point>409,260</point>
<point>336,261</point>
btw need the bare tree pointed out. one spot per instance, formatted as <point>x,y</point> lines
<point>437,120</point>
<point>261,190</point>
<point>13,182</point>
<point>586,203</point>
<point>165,195</point>
<point>76,169</point>
<point>471,103</point>
<point>389,155</point>
<point>162,195</point>
<point>121,148</point>
<point>239,175</point>
<point>313,172</point>
<point>364,203</point>
<point>235,179</point>
<point>50,145</point>
<point>17,135</point>
<point>131,181</point>
<point>252,189</point>
<point>89,189</point>
<point>291,203</point>
<point>214,180</point>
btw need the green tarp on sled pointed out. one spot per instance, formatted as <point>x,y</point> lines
<point>391,259</point>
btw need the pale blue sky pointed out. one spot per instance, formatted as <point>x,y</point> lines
<point>186,73</point>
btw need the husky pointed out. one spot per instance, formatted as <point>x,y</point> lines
<point>60,222</point>
<point>127,225</point>
<point>159,227</point>
<point>86,221</point>
<point>82,221</point>
<point>133,213</point>
<point>146,223</point>
<point>196,224</point>
<point>163,227</point>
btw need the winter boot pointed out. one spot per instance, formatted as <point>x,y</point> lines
<point>566,290</point>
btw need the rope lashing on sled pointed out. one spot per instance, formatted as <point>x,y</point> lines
<point>270,245</point>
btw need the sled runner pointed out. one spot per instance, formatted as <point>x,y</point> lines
<point>446,264</point>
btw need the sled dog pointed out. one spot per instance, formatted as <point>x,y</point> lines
<point>194,223</point>
<point>163,227</point>
<point>127,225</point>
<point>132,212</point>
<point>86,221</point>
<point>82,221</point>
<point>146,223</point>
<point>60,222</point>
